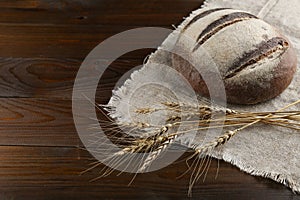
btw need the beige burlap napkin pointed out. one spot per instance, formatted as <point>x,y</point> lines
<point>261,150</point>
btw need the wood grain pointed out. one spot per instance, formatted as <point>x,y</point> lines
<point>71,29</point>
<point>42,45</point>
<point>40,122</point>
<point>66,41</point>
<point>54,173</point>
<point>54,78</point>
<point>95,12</point>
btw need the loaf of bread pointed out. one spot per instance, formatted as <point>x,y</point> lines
<point>255,61</point>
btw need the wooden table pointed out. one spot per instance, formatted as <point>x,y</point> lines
<point>42,44</point>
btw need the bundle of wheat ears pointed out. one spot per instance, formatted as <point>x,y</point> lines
<point>141,137</point>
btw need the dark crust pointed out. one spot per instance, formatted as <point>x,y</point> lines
<point>219,24</point>
<point>192,75</point>
<point>201,15</point>
<point>252,94</point>
<point>248,93</point>
<point>264,50</point>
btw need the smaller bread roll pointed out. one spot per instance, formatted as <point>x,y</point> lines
<point>255,61</point>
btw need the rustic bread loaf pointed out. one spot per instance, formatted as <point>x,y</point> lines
<point>255,61</point>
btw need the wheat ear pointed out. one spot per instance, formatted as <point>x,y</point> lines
<point>229,134</point>
<point>154,154</point>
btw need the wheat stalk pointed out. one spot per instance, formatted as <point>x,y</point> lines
<point>154,139</point>
<point>220,140</point>
<point>159,140</point>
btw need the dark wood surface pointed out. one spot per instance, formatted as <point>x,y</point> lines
<point>42,44</point>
